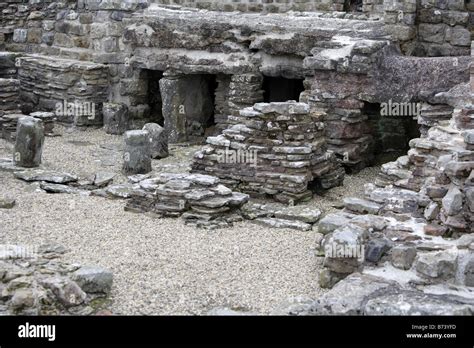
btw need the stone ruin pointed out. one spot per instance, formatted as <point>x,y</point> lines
<point>35,281</point>
<point>288,97</point>
<point>275,149</point>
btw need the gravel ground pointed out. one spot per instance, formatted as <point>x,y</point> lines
<point>161,266</point>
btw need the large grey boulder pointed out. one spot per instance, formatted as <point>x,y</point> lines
<point>29,142</point>
<point>137,154</point>
<point>158,140</point>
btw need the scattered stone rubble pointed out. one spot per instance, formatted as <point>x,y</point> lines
<point>34,281</point>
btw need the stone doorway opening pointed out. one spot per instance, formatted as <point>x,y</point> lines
<point>353,6</point>
<point>280,89</point>
<point>155,101</point>
<point>392,127</point>
<point>189,105</point>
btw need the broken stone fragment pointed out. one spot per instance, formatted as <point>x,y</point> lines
<point>121,190</point>
<point>466,241</point>
<point>281,223</point>
<point>403,257</point>
<point>102,179</point>
<point>29,142</point>
<point>65,290</point>
<point>23,298</point>
<point>349,295</point>
<point>452,202</point>
<point>299,213</point>
<point>93,279</point>
<point>328,278</point>
<point>435,230</point>
<point>344,249</point>
<point>137,154</point>
<point>431,211</point>
<point>7,203</point>
<point>375,249</point>
<point>158,140</point>
<point>332,222</point>
<point>407,302</point>
<point>437,265</point>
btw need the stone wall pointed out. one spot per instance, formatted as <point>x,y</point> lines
<point>274,149</point>
<point>352,73</point>
<point>430,28</point>
<point>73,90</point>
<point>444,28</point>
<point>259,5</point>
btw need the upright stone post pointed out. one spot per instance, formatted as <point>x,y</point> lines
<point>174,109</point>
<point>115,118</point>
<point>137,154</point>
<point>29,142</point>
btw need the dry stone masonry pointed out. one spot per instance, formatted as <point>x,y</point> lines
<point>29,142</point>
<point>199,199</point>
<point>275,149</point>
<point>286,97</point>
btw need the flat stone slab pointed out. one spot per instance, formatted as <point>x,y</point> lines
<point>122,190</point>
<point>332,222</point>
<point>299,213</point>
<point>45,175</point>
<point>60,188</point>
<point>102,179</point>
<point>361,206</point>
<point>281,223</point>
<point>418,303</point>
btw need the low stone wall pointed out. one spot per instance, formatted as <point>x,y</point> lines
<point>274,149</point>
<point>200,200</point>
<point>74,90</point>
<point>259,5</point>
